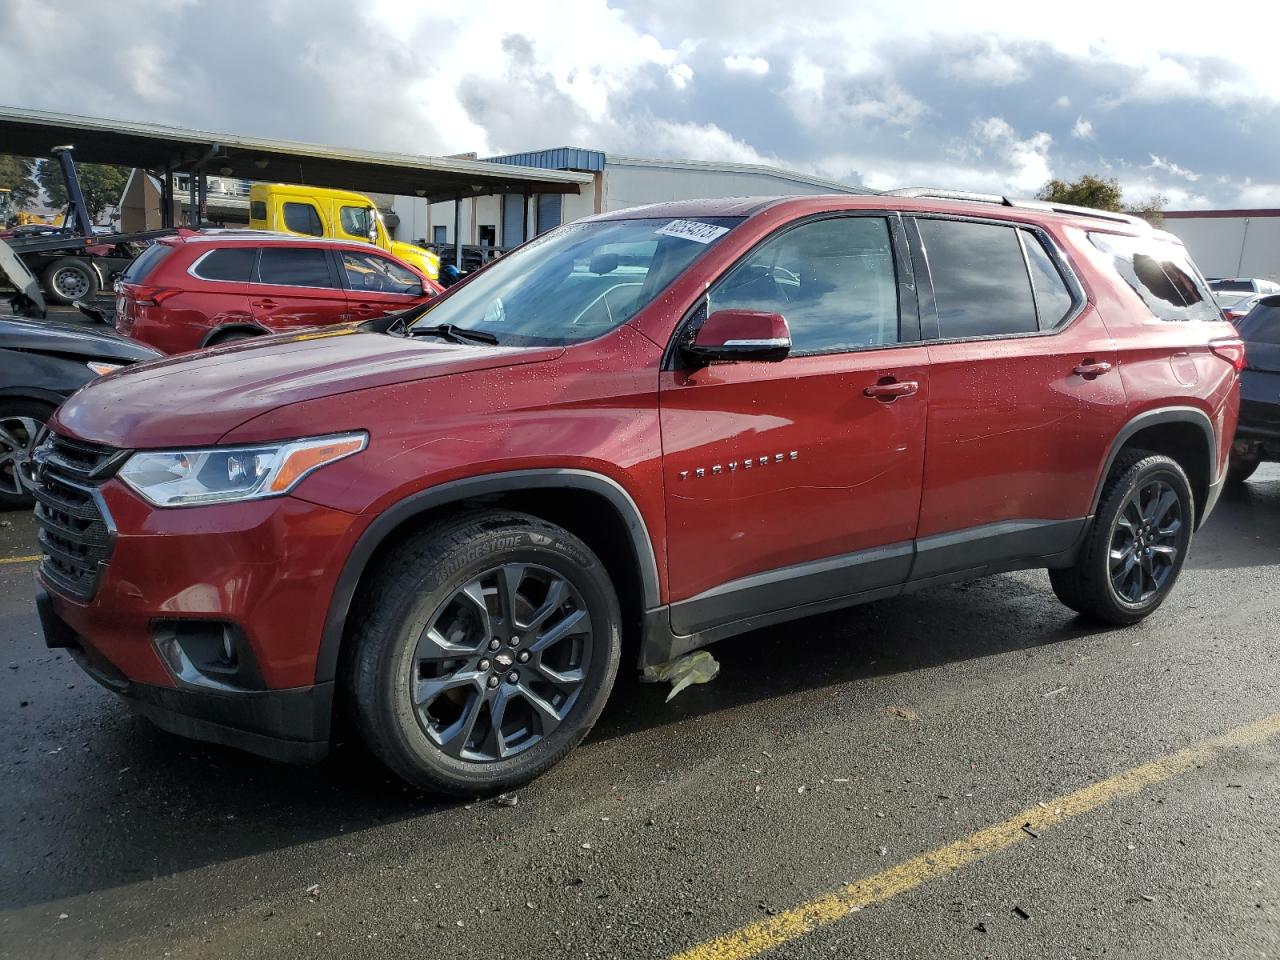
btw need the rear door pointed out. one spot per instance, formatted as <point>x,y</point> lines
<point>787,484</point>
<point>1025,395</point>
<point>297,286</point>
<point>377,285</point>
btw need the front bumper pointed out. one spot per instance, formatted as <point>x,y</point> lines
<point>288,725</point>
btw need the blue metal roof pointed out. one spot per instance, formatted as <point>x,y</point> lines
<point>557,158</point>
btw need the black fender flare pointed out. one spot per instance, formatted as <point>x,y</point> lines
<point>1151,418</point>
<point>253,328</point>
<point>33,393</point>
<point>508,482</point>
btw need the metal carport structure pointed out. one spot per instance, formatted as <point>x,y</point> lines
<point>164,150</point>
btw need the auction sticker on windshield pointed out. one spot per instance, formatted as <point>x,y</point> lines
<point>693,230</point>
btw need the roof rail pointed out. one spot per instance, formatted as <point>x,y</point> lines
<point>1066,208</point>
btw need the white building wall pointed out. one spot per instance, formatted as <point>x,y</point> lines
<point>1231,246</point>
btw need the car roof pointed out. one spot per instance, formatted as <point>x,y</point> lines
<point>220,235</point>
<point>906,201</point>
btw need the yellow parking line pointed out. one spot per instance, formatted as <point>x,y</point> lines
<point>766,934</point>
<point>4,560</point>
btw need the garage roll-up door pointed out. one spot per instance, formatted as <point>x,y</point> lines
<point>548,211</point>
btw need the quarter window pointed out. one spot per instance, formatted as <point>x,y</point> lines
<point>833,280</point>
<point>258,210</point>
<point>980,281</point>
<point>1162,274</point>
<point>232,264</point>
<point>303,218</point>
<point>1053,297</point>
<point>295,267</point>
<point>368,271</point>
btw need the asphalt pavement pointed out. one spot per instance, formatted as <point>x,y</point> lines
<point>966,772</point>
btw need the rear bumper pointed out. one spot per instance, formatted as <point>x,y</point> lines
<point>290,725</point>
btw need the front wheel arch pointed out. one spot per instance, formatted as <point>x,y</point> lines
<point>635,572</point>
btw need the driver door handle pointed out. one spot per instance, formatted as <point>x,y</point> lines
<point>887,392</point>
<point>1090,369</point>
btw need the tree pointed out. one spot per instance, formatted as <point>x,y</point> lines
<point>1099,194</point>
<point>16,173</point>
<point>102,184</point>
<point>1088,191</point>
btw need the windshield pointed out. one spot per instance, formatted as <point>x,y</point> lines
<point>579,281</point>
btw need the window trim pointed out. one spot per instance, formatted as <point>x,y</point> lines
<point>253,267</point>
<point>929,327</point>
<point>906,281</point>
<point>334,279</point>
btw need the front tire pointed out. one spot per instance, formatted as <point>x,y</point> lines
<point>1241,467</point>
<point>485,648</point>
<point>1136,545</point>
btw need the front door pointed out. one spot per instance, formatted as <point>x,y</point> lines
<point>1026,397</point>
<point>796,482</point>
<point>296,287</point>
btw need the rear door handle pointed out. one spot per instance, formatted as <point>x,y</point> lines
<point>889,390</point>
<point>1091,369</point>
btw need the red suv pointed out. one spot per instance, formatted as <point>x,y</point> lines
<point>667,425</point>
<point>198,289</point>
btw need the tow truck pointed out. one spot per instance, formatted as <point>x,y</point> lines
<point>72,262</point>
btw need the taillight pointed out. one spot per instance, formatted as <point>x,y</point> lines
<point>153,296</point>
<point>1231,351</point>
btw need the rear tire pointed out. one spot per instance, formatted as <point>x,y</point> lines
<point>1241,468</point>
<point>21,421</point>
<point>1136,544</point>
<point>68,279</point>
<point>484,649</point>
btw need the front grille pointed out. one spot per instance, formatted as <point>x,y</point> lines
<point>75,532</point>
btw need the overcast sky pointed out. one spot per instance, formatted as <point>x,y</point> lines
<point>1184,102</point>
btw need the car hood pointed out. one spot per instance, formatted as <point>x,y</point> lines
<point>45,336</point>
<point>197,398</point>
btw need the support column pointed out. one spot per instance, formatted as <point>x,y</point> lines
<point>457,231</point>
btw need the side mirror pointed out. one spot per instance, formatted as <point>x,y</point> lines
<point>741,335</point>
<point>416,290</point>
<point>373,225</point>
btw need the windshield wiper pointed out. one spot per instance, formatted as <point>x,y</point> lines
<point>457,334</point>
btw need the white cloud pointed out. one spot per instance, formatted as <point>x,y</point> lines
<point>680,75</point>
<point>1063,102</point>
<point>1168,166</point>
<point>1083,130</point>
<point>992,66</point>
<point>740,63</point>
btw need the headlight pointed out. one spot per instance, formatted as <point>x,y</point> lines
<point>178,478</point>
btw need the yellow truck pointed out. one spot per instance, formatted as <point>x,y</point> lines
<point>322,212</point>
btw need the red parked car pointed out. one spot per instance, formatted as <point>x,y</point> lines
<point>200,289</point>
<point>676,424</point>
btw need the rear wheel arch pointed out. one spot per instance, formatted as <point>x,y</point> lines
<point>232,331</point>
<point>592,506</point>
<point>1184,434</point>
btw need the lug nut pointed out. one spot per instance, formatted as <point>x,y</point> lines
<point>513,677</point>
<point>524,656</point>
<point>495,643</point>
<point>483,665</point>
<point>515,641</point>
<point>493,681</point>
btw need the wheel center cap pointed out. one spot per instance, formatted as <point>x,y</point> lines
<point>505,659</point>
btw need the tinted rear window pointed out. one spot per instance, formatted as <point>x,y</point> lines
<point>295,267</point>
<point>257,210</point>
<point>1262,323</point>
<point>980,281</point>
<point>232,264</point>
<point>1162,274</point>
<point>147,261</point>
